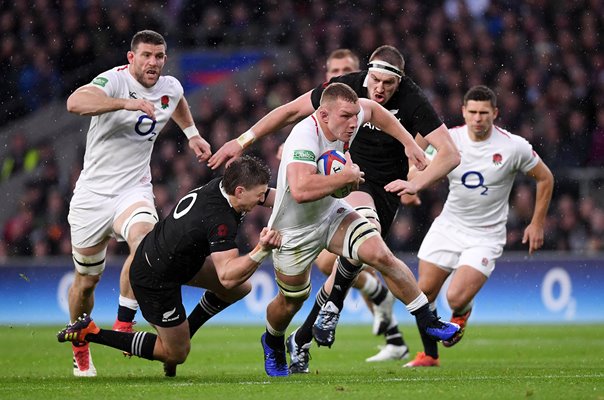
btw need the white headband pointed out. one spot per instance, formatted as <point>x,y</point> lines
<point>385,68</point>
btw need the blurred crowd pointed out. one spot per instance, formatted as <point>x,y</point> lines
<point>544,59</point>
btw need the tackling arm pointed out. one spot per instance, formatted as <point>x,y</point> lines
<point>273,121</point>
<point>233,270</point>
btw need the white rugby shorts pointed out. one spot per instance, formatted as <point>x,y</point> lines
<point>91,215</point>
<point>300,247</point>
<point>449,246</point>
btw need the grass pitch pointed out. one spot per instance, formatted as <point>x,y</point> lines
<point>491,362</point>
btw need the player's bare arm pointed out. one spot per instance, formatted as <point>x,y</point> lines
<point>533,234</point>
<point>90,101</point>
<point>306,185</point>
<point>388,124</point>
<point>278,118</point>
<point>184,119</point>
<point>233,269</point>
<point>446,159</point>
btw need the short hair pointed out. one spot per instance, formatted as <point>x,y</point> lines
<point>147,36</point>
<point>247,171</point>
<point>480,93</point>
<point>338,90</point>
<point>389,54</point>
<point>343,53</point>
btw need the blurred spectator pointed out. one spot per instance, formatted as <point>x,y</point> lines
<point>20,157</point>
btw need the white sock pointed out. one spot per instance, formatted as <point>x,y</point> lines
<point>128,303</point>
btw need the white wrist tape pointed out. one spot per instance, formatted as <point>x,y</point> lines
<point>246,138</point>
<point>259,254</point>
<point>191,131</point>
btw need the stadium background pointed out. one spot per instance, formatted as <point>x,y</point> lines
<point>544,59</point>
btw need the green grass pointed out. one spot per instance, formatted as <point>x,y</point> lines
<point>492,362</point>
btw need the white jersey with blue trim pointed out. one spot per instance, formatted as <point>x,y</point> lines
<point>119,143</point>
<point>305,144</point>
<point>479,187</point>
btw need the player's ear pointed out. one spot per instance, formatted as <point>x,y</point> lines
<point>130,57</point>
<point>323,114</point>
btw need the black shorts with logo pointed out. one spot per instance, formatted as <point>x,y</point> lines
<point>159,299</point>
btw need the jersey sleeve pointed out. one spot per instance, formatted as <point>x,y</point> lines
<point>222,233</point>
<point>107,81</point>
<point>527,158</point>
<point>298,147</point>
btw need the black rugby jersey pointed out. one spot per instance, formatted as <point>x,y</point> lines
<point>379,155</point>
<point>201,223</point>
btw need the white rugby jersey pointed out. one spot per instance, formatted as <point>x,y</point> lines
<point>479,187</point>
<point>119,143</point>
<point>305,144</point>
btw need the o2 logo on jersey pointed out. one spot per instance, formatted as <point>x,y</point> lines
<point>142,123</point>
<point>473,180</point>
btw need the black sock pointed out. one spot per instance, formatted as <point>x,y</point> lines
<point>345,275</point>
<point>140,344</point>
<point>379,294</point>
<point>275,342</point>
<point>125,314</point>
<point>304,333</point>
<point>394,336</point>
<point>430,345</point>
<point>208,306</point>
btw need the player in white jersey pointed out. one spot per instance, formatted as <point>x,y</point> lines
<point>468,236</point>
<point>113,196</point>
<point>310,220</point>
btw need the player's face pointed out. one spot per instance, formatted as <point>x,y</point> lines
<point>147,62</point>
<point>339,66</point>
<point>479,117</point>
<point>381,86</point>
<point>249,198</point>
<point>342,119</point>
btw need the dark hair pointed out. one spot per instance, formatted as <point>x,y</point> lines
<point>246,171</point>
<point>147,36</point>
<point>343,53</point>
<point>338,90</point>
<point>389,54</point>
<point>480,93</point>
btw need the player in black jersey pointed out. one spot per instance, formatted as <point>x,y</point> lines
<point>382,160</point>
<point>194,245</point>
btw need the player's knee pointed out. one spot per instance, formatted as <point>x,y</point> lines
<point>295,293</point>
<point>138,224</point>
<point>179,354</point>
<point>324,267</point>
<point>382,259</point>
<point>456,299</point>
<point>371,214</point>
<point>89,265</point>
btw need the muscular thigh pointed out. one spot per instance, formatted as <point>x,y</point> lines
<point>160,300</point>
<point>90,218</point>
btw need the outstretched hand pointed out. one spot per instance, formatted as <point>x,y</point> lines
<point>226,154</point>
<point>401,187</point>
<point>201,148</point>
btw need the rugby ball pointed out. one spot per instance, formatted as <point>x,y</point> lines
<point>332,162</point>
